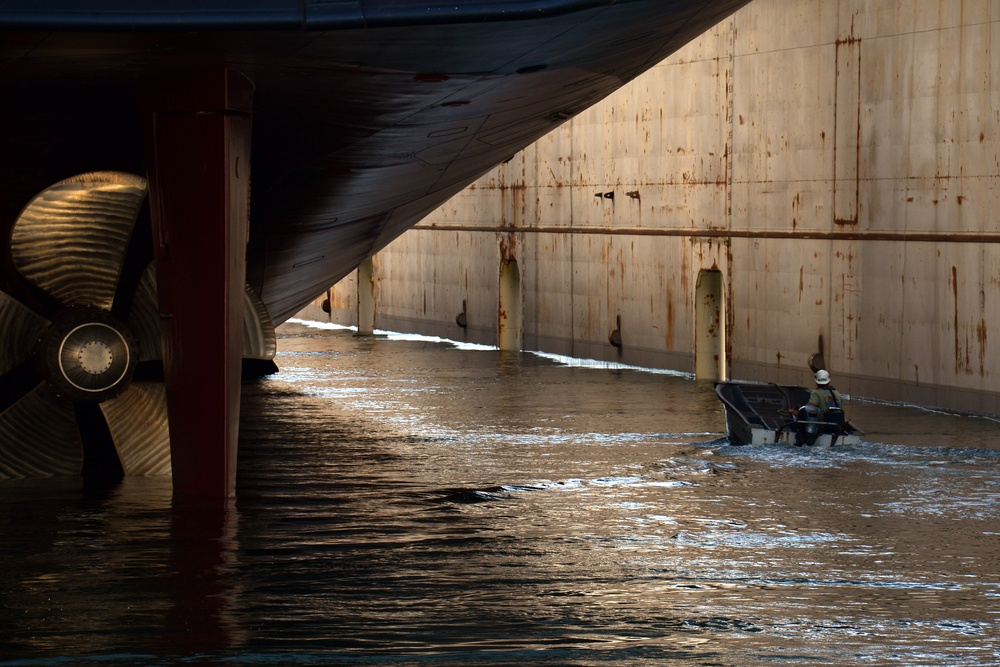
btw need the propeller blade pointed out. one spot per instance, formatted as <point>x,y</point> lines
<point>144,316</point>
<point>39,437</point>
<point>101,466</point>
<point>137,420</point>
<point>71,239</point>
<point>138,257</point>
<point>19,330</point>
<point>17,382</point>
<point>259,340</point>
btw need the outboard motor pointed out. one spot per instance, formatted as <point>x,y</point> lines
<point>807,427</point>
<point>835,416</point>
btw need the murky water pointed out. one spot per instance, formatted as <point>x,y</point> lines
<point>406,502</point>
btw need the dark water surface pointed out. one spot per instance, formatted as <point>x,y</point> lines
<point>406,502</point>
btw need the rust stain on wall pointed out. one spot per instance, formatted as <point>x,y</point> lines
<point>508,247</point>
<point>981,336</point>
<point>953,280</point>
<point>671,317</point>
<point>849,43</point>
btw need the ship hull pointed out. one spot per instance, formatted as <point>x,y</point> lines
<point>364,117</point>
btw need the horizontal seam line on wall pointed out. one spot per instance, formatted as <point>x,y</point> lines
<point>917,237</point>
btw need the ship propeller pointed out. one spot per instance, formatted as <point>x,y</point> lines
<point>81,372</point>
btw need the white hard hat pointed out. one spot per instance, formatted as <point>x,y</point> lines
<point>822,377</point>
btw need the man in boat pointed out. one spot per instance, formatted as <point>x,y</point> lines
<point>824,406</point>
<point>825,398</point>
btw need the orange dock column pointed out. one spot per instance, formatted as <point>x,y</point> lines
<point>198,162</point>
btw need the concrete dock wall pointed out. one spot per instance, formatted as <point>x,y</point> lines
<point>809,172</point>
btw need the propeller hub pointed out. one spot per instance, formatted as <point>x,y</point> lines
<point>96,357</point>
<point>88,355</point>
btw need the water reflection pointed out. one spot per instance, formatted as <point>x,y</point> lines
<point>203,579</point>
<point>406,502</point>
<point>84,572</point>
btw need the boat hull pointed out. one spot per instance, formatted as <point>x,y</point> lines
<point>764,414</point>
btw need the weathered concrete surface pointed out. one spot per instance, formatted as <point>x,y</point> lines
<point>834,160</point>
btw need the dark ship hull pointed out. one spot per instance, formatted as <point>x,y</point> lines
<point>352,120</point>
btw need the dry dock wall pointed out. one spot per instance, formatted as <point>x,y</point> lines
<point>809,172</point>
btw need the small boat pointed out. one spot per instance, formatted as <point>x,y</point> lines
<point>760,414</point>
